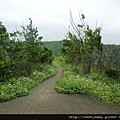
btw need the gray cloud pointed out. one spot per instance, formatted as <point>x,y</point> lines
<point>50,16</point>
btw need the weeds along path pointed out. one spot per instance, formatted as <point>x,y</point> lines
<point>44,99</point>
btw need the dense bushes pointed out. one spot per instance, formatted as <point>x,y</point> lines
<point>98,86</point>
<point>24,62</point>
<point>84,47</point>
<point>20,51</point>
<point>112,72</point>
<point>84,50</point>
<point>17,87</point>
<point>110,62</point>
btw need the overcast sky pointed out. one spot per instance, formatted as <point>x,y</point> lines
<point>51,17</point>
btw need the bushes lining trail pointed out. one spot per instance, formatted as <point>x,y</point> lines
<point>104,88</point>
<point>21,86</point>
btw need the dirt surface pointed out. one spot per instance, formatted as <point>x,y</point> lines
<point>43,99</point>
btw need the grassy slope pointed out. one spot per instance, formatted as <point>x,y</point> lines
<point>101,87</point>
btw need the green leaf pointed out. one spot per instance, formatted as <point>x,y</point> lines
<point>83,17</point>
<point>80,25</point>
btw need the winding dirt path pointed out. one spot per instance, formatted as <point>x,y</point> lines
<point>43,99</point>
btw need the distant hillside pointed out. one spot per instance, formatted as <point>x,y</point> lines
<point>107,48</point>
<point>54,46</point>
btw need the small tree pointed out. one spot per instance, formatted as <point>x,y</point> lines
<point>37,53</point>
<point>32,41</point>
<point>21,51</point>
<point>83,48</point>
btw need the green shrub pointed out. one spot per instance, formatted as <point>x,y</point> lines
<point>71,84</point>
<point>94,84</point>
<point>20,51</point>
<point>112,72</point>
<point>5,97</point>
<point>17,87</point>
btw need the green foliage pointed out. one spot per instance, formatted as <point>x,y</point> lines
<point>85,52</point>
<point>5,61</point>
<point>55,46</point>
<point>112,72</point>
<point>32,41</point>
<point>21,86</point>
<point>20,51</point>
<point>83,48</point>
<point>98,86</point>
<point>110,62</point>
<point>47,56</point>
<point>3,36</point>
